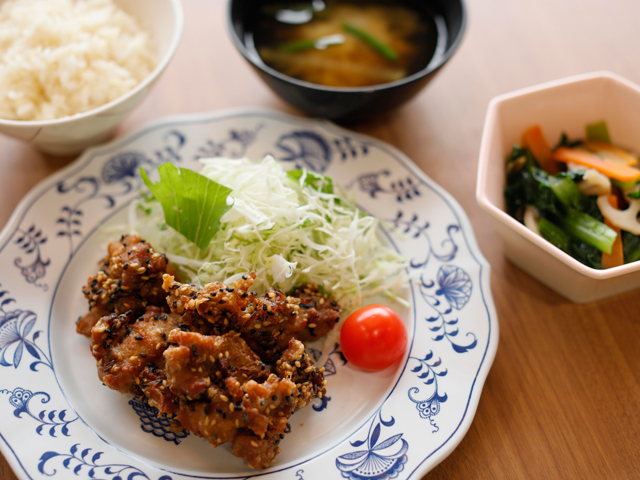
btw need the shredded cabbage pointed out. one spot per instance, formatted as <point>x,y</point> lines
<point>287,232</point>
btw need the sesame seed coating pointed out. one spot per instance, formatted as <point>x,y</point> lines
<point>225,363</point>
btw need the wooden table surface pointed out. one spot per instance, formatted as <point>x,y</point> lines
<point>562,400</point>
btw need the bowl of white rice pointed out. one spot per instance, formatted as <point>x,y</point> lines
<point>71,70</point>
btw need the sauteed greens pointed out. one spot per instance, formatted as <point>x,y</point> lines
<point>583,196</point>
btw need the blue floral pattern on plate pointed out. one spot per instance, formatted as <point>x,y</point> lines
<point>84,462</point>
<point>123,165</point>
<point>455,285</point>
<point>15,327</point>
<point>429,370</point>
<point>53,423</point>
<point>378,461</point>
<point>159,426</point>
<point>30,242</point>
<point>451,303</point>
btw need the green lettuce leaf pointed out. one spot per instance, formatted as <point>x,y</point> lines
<point>192,204</point>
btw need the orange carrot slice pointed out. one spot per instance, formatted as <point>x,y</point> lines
<point>611,169</point>
<point>534,140</point>
<point>611,152</point>
<point>616,257</point>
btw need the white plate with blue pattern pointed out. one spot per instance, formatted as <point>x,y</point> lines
<point>57,420</point>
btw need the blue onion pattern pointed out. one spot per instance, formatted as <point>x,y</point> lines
<point>447,293</point>
<point>379,461</point>
<point>171,150</point>
<point>329,366</point>
<point>348,148</point>
<point>89,189</point>
<point>415,228</point>
<point>320,404</point>
<point>15,327</point>
<point>401,189</point>
<point>456,288</point>
<point>429,370</point>
<point>158,426</point>
<point>30,242</point>
<point>83,462</point>
<point>123,165</point>
<point>306,149</point>
<point>233,146</point>
<point>428,408</point>
<point>20,399</point>
<point>455,285</point>
<point>370,182</point>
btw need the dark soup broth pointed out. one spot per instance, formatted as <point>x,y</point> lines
<point>346,43</point>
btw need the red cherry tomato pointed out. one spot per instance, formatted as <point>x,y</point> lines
<point>373,337</point>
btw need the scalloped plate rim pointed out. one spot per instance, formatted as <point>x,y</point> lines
<point>79,163</point>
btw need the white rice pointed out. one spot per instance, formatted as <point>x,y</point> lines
<point>63,57</point>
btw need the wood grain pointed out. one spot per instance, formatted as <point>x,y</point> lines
<point>562,400</point>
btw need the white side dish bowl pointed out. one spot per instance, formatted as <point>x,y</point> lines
<point>70,135</point>
<point>565,105</point>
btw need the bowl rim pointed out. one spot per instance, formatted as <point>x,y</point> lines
<point>430,68</point>
<point>178,16</point>
<point>482,196</point>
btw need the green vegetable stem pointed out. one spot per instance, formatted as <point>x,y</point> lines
<point>589,230</point>
<point>566,190</point>
<point>297,46</point>
<point>553,234</point>
<point>598,132</point>
<point>631,247</point>
<point>383,49</point>
<point>624,185</point>
<point>319,44</point>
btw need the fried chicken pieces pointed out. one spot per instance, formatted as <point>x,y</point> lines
<point>266,323</point>
<point>130,278</point>
<point>228,395</point>
<point>229,365</point>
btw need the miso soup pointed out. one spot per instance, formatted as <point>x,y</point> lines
<point>346,43</point>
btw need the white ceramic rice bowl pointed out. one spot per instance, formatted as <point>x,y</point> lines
<point>70,135</point>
